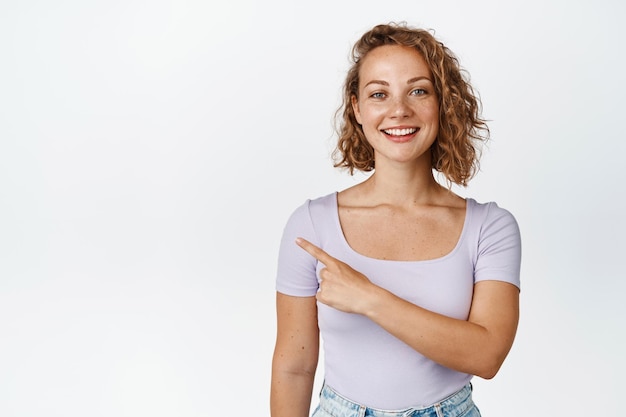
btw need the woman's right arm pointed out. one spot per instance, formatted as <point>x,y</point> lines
<point>295,356</point>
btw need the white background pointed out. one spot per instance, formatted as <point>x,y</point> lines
<point>151,151</point>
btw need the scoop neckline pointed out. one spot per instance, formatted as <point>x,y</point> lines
<point>469,202</point>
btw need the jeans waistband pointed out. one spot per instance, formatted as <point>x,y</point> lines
<point>452,406</point>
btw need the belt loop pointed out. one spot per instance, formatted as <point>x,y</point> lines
<point>362,410</point>
<point>438,410</point>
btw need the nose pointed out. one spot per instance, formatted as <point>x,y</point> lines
<point>400,108</point>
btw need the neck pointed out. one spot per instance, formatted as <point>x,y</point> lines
<point>402,185</point>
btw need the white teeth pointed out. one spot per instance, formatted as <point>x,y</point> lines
<point>400,132</point>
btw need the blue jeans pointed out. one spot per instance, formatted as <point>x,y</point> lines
<point>459,404</point>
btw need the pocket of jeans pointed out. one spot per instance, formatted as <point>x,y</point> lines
<point>320,412</point>
<point>473,411</point>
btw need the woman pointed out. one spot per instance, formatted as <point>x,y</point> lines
<point>413,288</point>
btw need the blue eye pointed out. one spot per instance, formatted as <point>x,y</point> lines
<point>378,95</point>
<point>418,92</point>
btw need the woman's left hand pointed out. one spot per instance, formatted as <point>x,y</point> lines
<point>341,286</point>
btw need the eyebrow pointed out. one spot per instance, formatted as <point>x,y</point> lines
<point>422,77</point>
<point>411,81</point>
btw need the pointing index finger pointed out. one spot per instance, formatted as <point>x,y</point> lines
<point>314,251</point>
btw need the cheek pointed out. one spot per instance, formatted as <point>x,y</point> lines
<point>435,116</point>
<point>431,112</point>
<point>370,122</point>
<point>371,115</point>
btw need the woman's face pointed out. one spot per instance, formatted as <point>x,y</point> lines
<point>397,106</point>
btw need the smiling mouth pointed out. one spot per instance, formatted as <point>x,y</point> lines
<point>400,132</point>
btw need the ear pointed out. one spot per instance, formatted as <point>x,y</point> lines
<point>355,108</point>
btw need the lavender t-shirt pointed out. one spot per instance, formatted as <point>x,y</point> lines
<point>362,361</point>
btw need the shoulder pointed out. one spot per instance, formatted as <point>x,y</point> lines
<point>311,206</point>
<point>328,200</point>
<point>310,211</point>
<point>490,213</point>
<point>296,268</point>
<point>497,243</point>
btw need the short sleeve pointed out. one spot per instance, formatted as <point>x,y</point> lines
<point>296,272</point>
<point>499,247</point>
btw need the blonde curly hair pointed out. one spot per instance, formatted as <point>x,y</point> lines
<point>455,152</point>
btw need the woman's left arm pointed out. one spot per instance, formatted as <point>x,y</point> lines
<point>475,346</point>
